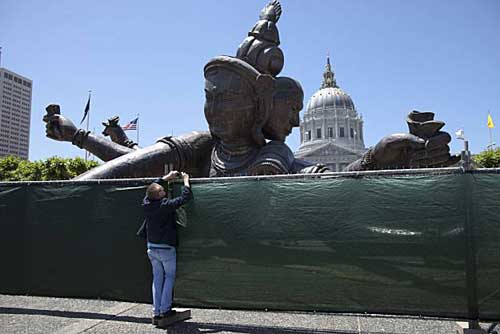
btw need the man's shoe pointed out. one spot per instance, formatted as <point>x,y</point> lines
<point>166,319</point>
<point>170,313</point>
<point>156,319</point>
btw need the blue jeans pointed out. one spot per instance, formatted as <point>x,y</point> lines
<point>163,261</point>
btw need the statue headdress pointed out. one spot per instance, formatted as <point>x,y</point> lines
<point>260,49</point>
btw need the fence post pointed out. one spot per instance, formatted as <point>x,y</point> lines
<point>471,250</point>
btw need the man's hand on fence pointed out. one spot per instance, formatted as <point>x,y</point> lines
<point>185,177</point>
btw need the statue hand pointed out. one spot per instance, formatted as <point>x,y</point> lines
<point>436,152</point>
<point>58,127</point>
<point>406,150</point>
<point>395,151</point>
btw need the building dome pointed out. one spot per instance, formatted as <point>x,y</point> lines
<point>330,96</point>
<point>331,131</point>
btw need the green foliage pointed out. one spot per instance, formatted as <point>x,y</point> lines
<point>54,168</point>
<point>488,158</point>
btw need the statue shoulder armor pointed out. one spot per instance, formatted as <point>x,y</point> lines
<point>274,158</point>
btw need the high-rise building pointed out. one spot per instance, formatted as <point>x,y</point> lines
<point>331,132</point>
<point>15,114</point>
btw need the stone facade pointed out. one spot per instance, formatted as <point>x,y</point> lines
<point>331,131</point>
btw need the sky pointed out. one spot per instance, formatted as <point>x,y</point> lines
<point>147,58</point>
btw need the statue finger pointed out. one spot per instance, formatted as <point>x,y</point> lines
<point>411,142</point>
<point>440,139</point>
<point>425,129</point>
<point>51,118</point>
<point>46,118</point>
<point>50,134</point>
<point>429,153</point>
<point>444,160</point>
<point>405,141</point>
<point>53,121</point>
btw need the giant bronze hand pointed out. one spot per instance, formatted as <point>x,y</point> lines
<point>436,152</point>
<point>424,147</point>
<point>117,134</point>
<point>58,127</point>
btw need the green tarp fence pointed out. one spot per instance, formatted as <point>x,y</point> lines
<point>414,243</point>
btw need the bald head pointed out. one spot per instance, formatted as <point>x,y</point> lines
<point>155,191</point>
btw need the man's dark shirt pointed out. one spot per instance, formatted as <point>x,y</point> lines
<point>159,226</point>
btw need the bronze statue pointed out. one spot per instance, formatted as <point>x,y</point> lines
<point>250,112</point>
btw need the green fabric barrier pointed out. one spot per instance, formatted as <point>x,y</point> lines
<point>381,244</point>
<point>485,200</point>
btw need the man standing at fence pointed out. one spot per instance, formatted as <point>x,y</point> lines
<point>160,230</point>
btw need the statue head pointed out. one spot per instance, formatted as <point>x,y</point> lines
<point>237,101</point>
<point>284,115</point>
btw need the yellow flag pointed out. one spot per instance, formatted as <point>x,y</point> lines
<point>490,122</point>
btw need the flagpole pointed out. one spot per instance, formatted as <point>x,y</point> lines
<point>137,132</point>
<point>88,118</point>
<point>491,139</point>
<point>491,135</point>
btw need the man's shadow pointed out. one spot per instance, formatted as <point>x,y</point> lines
<point>177,328</point>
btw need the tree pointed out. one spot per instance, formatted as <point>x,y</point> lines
<point>54,168</point>
<point>488,158</point>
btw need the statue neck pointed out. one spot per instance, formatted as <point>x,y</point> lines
<point>232,160</point>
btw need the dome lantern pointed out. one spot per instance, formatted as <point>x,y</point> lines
<point>329,76</point>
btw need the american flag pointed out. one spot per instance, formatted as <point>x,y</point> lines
<point>132,125</point>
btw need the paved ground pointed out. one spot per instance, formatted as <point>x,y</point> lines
<point>24,314</point>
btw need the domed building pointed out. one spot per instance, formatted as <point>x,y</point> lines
<point>331,132</point>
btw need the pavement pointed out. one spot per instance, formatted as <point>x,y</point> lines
<point>27,314</point>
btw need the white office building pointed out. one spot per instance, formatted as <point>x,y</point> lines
<point>15,114</point>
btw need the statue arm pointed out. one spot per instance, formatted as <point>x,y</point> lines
<point>189,153</point>
<point>62,128</point>
<point>99,146</point>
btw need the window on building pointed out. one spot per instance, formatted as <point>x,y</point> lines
<point>318,133</point>
<point>352,133</point>
<point>309,135</point>
<point>330,132</point>
<point>341,132</point>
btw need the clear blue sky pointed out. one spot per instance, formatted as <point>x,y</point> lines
<point>147,57</point>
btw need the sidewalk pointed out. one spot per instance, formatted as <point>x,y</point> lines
<point>24,314</point>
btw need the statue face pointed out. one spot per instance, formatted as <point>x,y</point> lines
<point>282,119</point>
<point>229,106</point>
<point>287,103</point>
